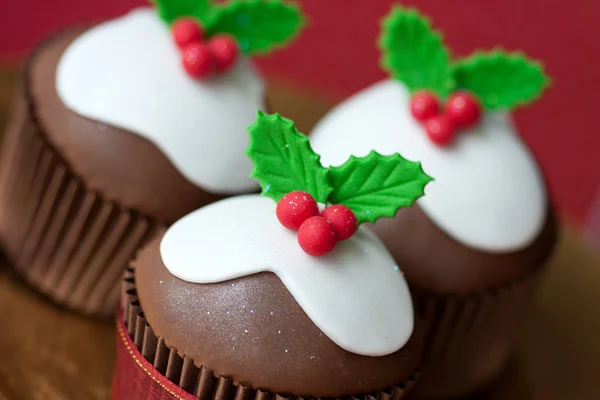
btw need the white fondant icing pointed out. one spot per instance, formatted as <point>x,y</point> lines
<point>488,192</point>
<point>127,72</point>
<point>355,295</point>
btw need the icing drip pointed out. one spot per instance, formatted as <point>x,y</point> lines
<point>356,295</point>
<point>127,73</point>
<point>488,192</point>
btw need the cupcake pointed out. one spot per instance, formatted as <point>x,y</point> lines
<point>125,127</point>
<point>254,298</point>
<point>472,249</point>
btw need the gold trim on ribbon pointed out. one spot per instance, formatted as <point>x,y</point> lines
<point>122,334</point>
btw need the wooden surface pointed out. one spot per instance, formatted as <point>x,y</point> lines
<point>47,353</point>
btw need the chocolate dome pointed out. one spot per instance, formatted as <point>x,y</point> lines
<point>252,330</point>
<point>122,166</point>
<point>433,261</point>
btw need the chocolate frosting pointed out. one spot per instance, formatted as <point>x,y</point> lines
<point>433,261</point>
<point>252,330</point>
<point>120,165</point>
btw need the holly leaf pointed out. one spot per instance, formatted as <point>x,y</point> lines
<point>377,186</point>
<point>414,53</point>
<point>283,160</point>
<point>258,25</point>
<point>170,10</point>
<point>501,79</point>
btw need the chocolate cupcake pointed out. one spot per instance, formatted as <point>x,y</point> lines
<point>231,302</point>
<point>123,128</point>
<point>472,249</point>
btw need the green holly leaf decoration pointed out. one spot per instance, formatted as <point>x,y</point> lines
<point>501,79</point>
<point>377,186</point>
<point>258,25</point>
<point>170,10</point>
<point>414,53</point>
<point>283,160</point>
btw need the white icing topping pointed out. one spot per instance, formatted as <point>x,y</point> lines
<point>488,192</point>
<point>354,295</point>
<point>128,73</point>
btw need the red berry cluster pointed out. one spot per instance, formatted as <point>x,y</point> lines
<point>462,110</point>
<point>201,58</point>
<point>317,234</point>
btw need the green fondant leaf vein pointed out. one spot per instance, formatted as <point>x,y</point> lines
<point>283,160</point>
<point>377,186</point>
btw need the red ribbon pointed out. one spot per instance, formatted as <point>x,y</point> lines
<point>136,379</point>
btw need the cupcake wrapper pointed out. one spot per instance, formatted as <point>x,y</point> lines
<point>65,240</point>
<point>469,339</point>
<point>149,370</point>
<point>134,377</point>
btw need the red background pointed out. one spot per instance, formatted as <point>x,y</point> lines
<point>336,55</point>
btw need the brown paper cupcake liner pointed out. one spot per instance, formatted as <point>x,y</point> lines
<point>469,338</point>
<point>201,381</point>
<point>66,240</point>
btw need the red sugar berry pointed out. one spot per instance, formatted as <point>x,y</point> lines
<point>439,129</point>
<point>424,105</point>
<point>198,60</point>
<point>463,109</point>
<point>316,236</point>
<point>342,219</point>
<point>225,51</point>
<point>186,31</point>
<point>294,208</point>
